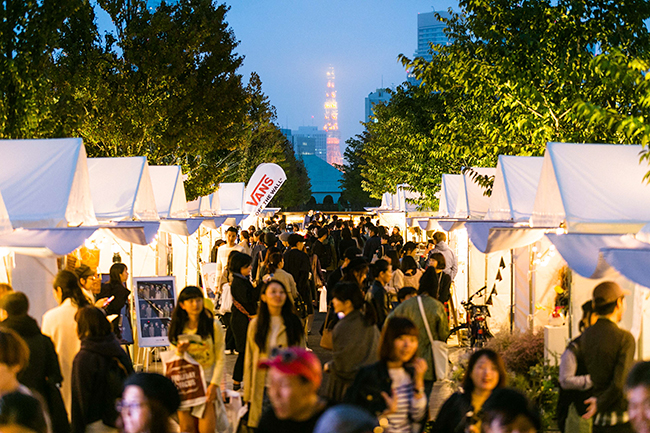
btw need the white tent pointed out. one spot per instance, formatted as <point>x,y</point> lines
<point>472,201</point>
<point>514,189</point>
<point>168,190</point>
<point>592,188</point>
<point>451,183</point>
<point>121,189</point>
<point>44,183</point>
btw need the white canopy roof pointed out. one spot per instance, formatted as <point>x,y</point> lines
<point>44,183</point>
<point>122,189</point>
<point>515,186</point>
<point>471,202</point>
<point>451,183</point>
<point>168,190</point>
<point>200,206</point>
<point>592,188</point>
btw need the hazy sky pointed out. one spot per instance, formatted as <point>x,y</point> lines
<point>290,44</point>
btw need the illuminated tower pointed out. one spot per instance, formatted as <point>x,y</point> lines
<point>331,122</point>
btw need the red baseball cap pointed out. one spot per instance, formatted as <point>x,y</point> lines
<point>295,360</point>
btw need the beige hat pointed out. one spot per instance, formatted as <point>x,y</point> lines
<point>607,292</point>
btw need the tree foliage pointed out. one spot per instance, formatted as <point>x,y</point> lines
<point>508,84</point>
<point>163,85</point>
<point>353,195</point>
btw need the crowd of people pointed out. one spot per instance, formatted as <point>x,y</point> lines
<point>387,304</point>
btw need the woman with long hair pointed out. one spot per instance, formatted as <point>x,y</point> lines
<point>393,387</point>
<point>357,272</point>
<point>244,308</point>
<point>100,355</point>
<point>59,324</point>
<point>355,338</point>
<point>275,271</point>
<point>148,402</point>
<point>116,288</point>
<point>190,317</point>
<point>346,242</point>
<point>485,372</point>
<point>275,326</point>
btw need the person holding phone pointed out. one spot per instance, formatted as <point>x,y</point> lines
<point>115,288</point>
<point>193,329</point>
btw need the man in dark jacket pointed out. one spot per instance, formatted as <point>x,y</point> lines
<point>43,366</point>
<point>377,295</point>
<point>608,353</point>
<point>372,244</point>
<point>296,262</point>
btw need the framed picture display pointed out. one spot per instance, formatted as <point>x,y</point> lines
<point>155,298</point>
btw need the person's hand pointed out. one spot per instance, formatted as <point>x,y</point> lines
<point>391,402</point>
<point>211,393</point>
<point>181,348</point>
<point>592,406</point>
<point>100,303</point>
<point>420,366</point>
<point>326,367</point>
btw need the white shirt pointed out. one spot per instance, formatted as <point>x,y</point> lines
<point>222,261</point>
<point>60,326</point>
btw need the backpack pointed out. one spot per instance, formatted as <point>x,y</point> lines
<point>116,374</point>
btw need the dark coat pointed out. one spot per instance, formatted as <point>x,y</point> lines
<point>297,264</point>
<point>89,383</point>
<point>380,301</point>
<point>368,385</point>
<point>444,287</point>
<point>121,294</point>
<point>452,417</point>
<point>371,246</point>
<point>245,294</point>
<point>43,360</point>
<point>608,353</point>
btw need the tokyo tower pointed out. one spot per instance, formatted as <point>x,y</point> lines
<point>331,121</point>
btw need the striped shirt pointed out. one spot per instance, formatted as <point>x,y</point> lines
<point>409,408</point>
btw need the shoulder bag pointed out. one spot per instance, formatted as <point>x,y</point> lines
<point>439,348</point>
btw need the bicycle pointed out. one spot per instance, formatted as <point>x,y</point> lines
<point>475,322</point>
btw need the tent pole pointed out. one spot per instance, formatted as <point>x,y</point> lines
<point>570,308</point>
<point>531,288</point>
<point>512,290</point>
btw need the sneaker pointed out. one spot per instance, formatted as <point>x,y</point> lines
<point>236,386</point>
<point>228,352</point>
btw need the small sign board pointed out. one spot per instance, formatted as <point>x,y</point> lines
<point>155,298</point>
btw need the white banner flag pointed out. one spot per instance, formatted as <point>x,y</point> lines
<point>262,186</point>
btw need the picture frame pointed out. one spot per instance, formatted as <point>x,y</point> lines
<point>154,300</point>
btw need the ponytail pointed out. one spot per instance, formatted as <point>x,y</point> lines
<point>349,291</point>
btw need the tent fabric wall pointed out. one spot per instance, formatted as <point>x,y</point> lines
<point>122,189</point>
<point>5,222</point>
<point>592,188</point>
<point>515,186</point>
<point>449,187</point>
<point>169,192</point>
<point>34,277</point>
<point>46,242</point>
<point>629,262</point>
<point>472,202</point>
<point>44,183</point>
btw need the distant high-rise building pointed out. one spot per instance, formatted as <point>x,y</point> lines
<point>378,96</point>
<point>331,121</point>
<point>430,30</point>
<point>310,140</point>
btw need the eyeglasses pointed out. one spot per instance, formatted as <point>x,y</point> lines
<point>122,406</point>
<point>286,356</point>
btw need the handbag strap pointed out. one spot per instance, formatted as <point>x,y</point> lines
<point>426,322</point>
<point>241,308</point>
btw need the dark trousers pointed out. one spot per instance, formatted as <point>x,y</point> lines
<point>240,331</point>
<point>230,337</point>
<point>618,428</point>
